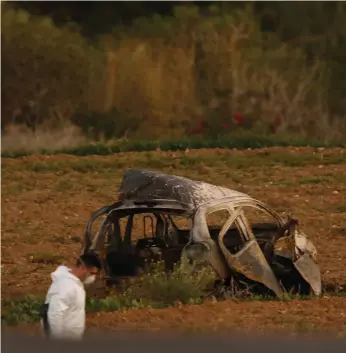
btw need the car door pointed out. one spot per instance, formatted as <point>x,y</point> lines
<point>248,258</point>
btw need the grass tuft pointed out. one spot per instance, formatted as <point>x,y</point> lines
<point>26,310</point>
<point>164,288</point>
<point>313,181</point>
<point>44,258</point>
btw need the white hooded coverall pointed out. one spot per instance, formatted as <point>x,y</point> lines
<point>66,311</point>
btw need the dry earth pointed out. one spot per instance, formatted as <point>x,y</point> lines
<point>47,200</point>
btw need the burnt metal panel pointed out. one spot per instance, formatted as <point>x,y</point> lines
<point>310,271</point>
<point>148,185</point>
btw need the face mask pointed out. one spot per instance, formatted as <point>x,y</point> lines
<point>90,279</point>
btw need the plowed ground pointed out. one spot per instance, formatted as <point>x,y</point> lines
<point>47,200</point>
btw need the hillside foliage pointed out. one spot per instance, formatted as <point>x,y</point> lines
<point>196,72</point>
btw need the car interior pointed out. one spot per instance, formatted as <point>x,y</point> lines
<point>127,253</point>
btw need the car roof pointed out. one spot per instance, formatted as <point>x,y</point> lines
<point>141,185</point>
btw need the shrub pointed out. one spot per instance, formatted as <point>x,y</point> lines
<point>217,67</point>
<point>105,125</point>
<point>46,70</point>
<point>164,288</point>
<point>162,76</point>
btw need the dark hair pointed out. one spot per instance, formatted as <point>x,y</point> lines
<point>89,259</point>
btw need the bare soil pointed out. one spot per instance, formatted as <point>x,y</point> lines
<point>47,200</point>
<point>325,316</point>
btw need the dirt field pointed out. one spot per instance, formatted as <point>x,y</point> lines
<point>47,200</point>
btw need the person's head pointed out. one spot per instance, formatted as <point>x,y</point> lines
<point>88,267</point>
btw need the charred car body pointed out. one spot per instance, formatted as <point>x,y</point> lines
<point>274,256</point>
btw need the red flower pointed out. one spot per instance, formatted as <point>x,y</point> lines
<point>225,125</point>
<point>238,118</point>
<point>278,119</point>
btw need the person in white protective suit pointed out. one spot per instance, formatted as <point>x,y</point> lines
<point>63,313</point>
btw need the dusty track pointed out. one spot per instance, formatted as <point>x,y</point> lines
<point>47,201</point>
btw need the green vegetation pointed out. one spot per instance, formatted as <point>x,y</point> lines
<point>26,310</point>
<point>179,286</point>
<point>155,288</point>
<point>314,181</point>
<point>340,208</point>
<point>114,168</point>
<point>47,69</point>
<point>161,76</point>
<point>240,141</point>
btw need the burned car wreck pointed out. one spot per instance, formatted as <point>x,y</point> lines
<point>274,256</point>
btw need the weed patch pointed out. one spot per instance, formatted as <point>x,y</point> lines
<point>26,310</point>
<point>44,258</point>
<point>340,209</point>
<point>155,289</point>
<point>242,141</point>
<point>87,166</point>
<point>167,289</point>
<point>63,185</point>
<point>40,167</point>
<point>313,181</point>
